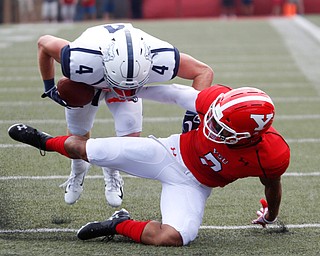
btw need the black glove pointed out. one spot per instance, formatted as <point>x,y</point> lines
<point>54,95</point>
<point>190,122</point>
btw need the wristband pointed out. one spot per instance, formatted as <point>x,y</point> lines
<point>48,84</point>
<point>268,221</point>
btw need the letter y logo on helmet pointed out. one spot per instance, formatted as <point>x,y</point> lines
<point>261,120</point>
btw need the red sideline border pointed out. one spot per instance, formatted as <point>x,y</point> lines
<point>154,9</point>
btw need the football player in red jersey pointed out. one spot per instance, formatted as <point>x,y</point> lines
<point>116,59</point>
<point>234,140</point>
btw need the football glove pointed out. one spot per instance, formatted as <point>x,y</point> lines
<point>261,220</point>
<point>190,122</point>
<point>54,95</point>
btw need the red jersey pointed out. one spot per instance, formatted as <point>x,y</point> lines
<point>216,165</point>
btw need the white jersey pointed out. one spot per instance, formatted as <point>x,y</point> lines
<point>81,60</point>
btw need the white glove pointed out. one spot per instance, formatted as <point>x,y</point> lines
<point>261,220</point>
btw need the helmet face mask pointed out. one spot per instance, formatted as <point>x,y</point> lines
<point>127,63</point>
<point>244,113</point>
<point>219,132</point>
<point>127,94</point>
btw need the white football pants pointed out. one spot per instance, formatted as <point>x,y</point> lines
<point>183,198</point>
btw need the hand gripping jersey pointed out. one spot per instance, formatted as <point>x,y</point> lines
<point>216,165</point>
<point>81,60</point>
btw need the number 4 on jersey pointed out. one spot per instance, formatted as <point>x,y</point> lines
<point>160,69</point>
<point>84,69</point>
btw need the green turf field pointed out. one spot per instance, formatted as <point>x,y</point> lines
<point>279,56</point>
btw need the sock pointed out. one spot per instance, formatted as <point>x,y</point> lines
<point>57,144</point>
<point>132,229</point>
<point>79,166</point>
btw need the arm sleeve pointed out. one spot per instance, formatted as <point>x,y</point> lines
<point>181,95</point>
<point>65,61</point>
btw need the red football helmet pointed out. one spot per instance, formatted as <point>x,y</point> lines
<point>243,113</point>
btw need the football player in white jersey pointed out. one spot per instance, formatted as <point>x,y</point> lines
<point>116,59</point>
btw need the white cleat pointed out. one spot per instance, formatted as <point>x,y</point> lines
<point>73,188</point>
<point>113,187</point>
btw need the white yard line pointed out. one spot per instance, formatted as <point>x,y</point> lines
<point>302,39</point>
<point>308,26</point>
<point>27,32</point>
<point>70,230</point>
<point>57,177</point>
<point>289,226</point>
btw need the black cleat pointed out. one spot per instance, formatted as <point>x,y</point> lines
<point>106,228</point>
<point>29,135</point>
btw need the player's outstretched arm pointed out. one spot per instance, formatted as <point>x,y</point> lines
<point>49,48</point>
<point>193,69</point>
<point>270,207</point>
<point>181,95</point>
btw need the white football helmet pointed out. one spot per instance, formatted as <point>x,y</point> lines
<point>127,63</point>
<point>243,113</point>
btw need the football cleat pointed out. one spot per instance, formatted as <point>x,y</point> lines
<point>73,188</point>
<point>106,228</point>
<point>113,187</point>
<point>29,135</point>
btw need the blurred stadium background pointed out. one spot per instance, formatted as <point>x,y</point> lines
<point>11,11</point>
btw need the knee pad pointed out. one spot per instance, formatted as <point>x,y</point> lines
<point>126,123</point>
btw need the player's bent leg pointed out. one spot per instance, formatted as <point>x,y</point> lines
<point>156,233</point>
<point>120,223</point>
<point>79,122</point>
<point>128,123</point>
<point>75,146</point>
<point>74,185</point>
<point>114,182</point>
